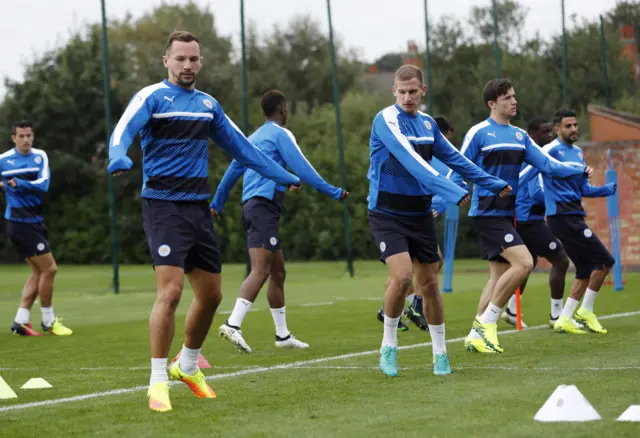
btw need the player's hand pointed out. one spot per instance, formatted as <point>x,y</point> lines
<point>344,195</point>
<point>12,182</point>
<point>215,214</point>
<point>1,184</point>
<point>434,213</point>
<point>506,191</point>
<point>464,201</point>
<point>294,188</point>
<point>588,171</point>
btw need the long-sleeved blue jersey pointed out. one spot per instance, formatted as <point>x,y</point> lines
<point>32,177</point>
<point>175,125</point>
<point>401,180</point>
<point>530,200</point>
<point>438,204</point>
<point>500,150</point>
<point>564,196</point>
<point>280,145</point>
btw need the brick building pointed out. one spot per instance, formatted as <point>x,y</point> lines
<point>619,132</point>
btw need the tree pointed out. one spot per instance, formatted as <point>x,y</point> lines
<point>511,16</point>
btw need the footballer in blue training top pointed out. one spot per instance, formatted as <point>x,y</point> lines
<point>500,148</point>
<point>25,179</point>
<point>261,207</point>
<point>175,122</point>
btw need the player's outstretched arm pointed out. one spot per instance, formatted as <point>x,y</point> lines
<point>545,163</point>
<point>295,159</point>
<point>135,116</point>
<point>227,135</point>
<point>389,134</point>
<point>40,184</point>
<point>230,178</point>
<point>462,165</point>
<point>589,191</point>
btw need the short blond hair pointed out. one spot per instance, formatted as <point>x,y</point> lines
<point>408,72</point>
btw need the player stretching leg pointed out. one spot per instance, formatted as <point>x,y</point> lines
<point>175,122</point>
<point>262,202</point>
<point>401,184</point>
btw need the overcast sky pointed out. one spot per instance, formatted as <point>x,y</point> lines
<point>38,25</point>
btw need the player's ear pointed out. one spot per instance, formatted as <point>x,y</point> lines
<point>165,60</point>
<point>424,89</point>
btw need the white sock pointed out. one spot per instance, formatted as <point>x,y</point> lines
<point>390,336</point>
<point>491,315</point>
<point>512,304</point>
<point>280,321</point>
<point>22,316</point>
<point>437,339</point>
<point>589,299</point>
<point>239,312</point>
<point>189,360</point>
<point>473,334</point>
<point>556,308</point>
<point>47,316</point>
<point>158,371</point>
<point>569,308</point>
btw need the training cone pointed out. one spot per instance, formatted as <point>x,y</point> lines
<point>202,362</point>
<point>631,414</point>
<point>567,404</point>
<point>36,383</point>
<point>6,391</point>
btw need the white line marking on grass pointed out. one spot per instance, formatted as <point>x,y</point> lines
<point>146,367</point>
<point>496,368</point>
<point>326,303</point>
<point>291,365</point>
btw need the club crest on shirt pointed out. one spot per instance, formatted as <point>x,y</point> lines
<point>519,136</point>
<point>581,155</point>
<point>427,124</point>
<point>38,160</point>
<point>208,103</point>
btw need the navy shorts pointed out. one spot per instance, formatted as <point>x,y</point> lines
<point>538,239</point>
<point>496,234</point>
<point>261,222</point>
<point>581,244</point>
<point>181,234</point>
<point>415,235</point>
<point>29,240</point>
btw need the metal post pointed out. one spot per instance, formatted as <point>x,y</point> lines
<point>605,73</point>
<point>336,103</point>
<point>427,56</point>
<point>108,123</point>
<point>565,99</point>
<point>496,47</point>
<point>245,111</point>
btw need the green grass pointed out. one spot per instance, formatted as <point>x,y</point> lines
<point>486,396</point>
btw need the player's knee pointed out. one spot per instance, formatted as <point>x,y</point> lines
<point>169,294</point>
<point>562,263</point>
<point>404,280</point>
<point>526,264</point>
<point>278,275</point>
<point>50,271</point>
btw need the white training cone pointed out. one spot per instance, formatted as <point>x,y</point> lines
<point>6,391</point>
<point>567,404</point>
<point>36,383</point>
<point>631,414</point>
